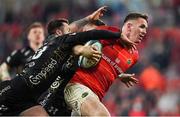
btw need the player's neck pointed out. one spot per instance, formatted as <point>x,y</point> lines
<point>36,46</point>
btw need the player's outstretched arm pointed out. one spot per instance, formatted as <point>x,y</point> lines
<point>77,25</point>
<point>97,35</point>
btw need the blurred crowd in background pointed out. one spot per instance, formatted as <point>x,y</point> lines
<point>158,68</point>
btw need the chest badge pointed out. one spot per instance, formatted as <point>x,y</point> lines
<point>129,61</point>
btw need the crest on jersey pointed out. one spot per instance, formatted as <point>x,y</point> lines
<point>129,61</point>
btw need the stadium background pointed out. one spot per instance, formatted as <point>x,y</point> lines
<point>158,68</point>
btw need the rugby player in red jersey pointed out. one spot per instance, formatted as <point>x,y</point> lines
<point>87,87</point>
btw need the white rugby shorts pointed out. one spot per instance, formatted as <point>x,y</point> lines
<point>75,94</point>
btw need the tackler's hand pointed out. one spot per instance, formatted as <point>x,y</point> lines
<point>97,14</point>
<point>127,43</point>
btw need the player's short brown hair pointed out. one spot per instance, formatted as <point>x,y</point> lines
<point>133,16</point>
<point>54,24</point>
<point>35,25</point>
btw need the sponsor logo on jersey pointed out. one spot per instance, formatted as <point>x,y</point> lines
<point>112,63</point>
<point>43,73</point>
<point>49,66</point>
<point>56,83</point>
<point>58,54</point>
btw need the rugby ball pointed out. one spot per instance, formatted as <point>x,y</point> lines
<point>86,62</point>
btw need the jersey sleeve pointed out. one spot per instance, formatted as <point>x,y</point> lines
<point>83,37</point>
<point>108,28</point>
<point>14,59</point>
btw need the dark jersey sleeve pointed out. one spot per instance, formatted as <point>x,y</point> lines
<point>14,59</point>
<point>92,35</point>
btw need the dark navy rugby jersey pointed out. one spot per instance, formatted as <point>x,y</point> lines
<point>18,58</point>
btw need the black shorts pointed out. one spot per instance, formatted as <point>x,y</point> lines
<point>12,102</point>
<point>54,104</point>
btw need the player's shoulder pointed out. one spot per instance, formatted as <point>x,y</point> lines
<point>17,51</point>
<point>26,49</point>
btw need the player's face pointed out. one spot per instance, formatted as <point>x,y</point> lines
<point>36,35</point>
<point>138,30</point>
<point>66,28</point>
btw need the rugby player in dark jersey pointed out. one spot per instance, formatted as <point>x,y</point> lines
<point>17,59</point>
<point>53,99</point>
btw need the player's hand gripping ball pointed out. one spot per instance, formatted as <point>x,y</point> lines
<point>89,63</point>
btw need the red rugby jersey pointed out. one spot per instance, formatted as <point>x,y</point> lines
<point>115,60</point>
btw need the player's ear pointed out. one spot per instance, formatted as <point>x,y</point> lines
<point>28,37</point>
<point>59,32</point>
<point>129,26</point>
